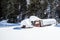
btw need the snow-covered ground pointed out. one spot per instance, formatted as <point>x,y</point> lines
<point>4,23</point>
<point>36,33</point>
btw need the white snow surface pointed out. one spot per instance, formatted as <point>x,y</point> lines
<point>26,22</point>
<point>4,23</point>
<point>36,33</point>
<point>33,18</point>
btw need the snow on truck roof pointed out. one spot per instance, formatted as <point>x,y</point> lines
<point>33,18</point>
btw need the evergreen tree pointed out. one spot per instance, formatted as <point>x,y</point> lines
<point>12,8</point>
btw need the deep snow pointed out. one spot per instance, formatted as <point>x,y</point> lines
<point>4,23</point>
<point>36,33</point>
<point>27,22</point>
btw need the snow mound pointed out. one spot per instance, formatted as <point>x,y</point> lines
<point>26,22</point>
<point>4,23</point>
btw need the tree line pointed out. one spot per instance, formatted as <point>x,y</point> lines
<point>10,9</point>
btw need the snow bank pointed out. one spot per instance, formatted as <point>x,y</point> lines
<point>4,23</point>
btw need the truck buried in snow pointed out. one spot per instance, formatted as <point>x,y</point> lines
<point>34,21</point>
